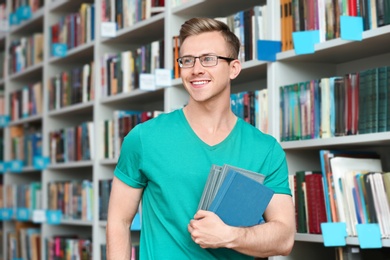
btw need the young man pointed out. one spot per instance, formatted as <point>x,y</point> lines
<point>166,161</point>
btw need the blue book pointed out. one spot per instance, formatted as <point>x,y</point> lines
<point>241,201</point>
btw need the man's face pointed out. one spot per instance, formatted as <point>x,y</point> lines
<point>206,83</point>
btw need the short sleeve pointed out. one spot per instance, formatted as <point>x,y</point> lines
<point>277,179</point>
<point>128,168</point>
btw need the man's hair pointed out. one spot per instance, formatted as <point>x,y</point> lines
<point>199,25</point>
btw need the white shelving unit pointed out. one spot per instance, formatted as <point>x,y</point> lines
<point>334,57</point>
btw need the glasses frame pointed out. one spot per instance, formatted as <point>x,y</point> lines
<point>201,62</point>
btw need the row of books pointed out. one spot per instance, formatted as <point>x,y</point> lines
<point>68,247</point>
<point>325,16</point>
<point>252,106</point>
<point>121,71</point>
<point>329,107</point>
<point>27,196</point>
<point>72,144</point>
<point>24,242</point>
<point>34,5</point>
<point>115,129</point>
<point>26,143</point>
<point>76,28</point>
<point>350,187</point>
<point>26,102</point>
<point>73,198</point>
<point>126,13</point>
<point>71,87</point>
<point>358,179</point>
<point>25,52</point>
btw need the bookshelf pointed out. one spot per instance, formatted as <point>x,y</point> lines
<point>92,107</point>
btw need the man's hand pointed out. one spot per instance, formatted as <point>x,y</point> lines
<point>209,231</point>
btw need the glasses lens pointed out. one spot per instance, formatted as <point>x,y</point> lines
<point>209,60</point>
<point>187,61</point>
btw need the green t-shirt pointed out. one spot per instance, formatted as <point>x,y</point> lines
<point>166,158</point>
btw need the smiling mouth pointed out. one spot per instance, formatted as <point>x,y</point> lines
<point>201,82</point>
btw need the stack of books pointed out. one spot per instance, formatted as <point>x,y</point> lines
<point>236,195</point>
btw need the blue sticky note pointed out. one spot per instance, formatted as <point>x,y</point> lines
<point>13,19</point>
<point>351,28</point>
<point>267,50</point>
<point>136,225</point>
<point>40,162</point>
<point>304,41</point>
<point>369,235</point>
<point>24,12</point>
<point>334,233</point>
<point>53,217</point>
<point>59,49</point>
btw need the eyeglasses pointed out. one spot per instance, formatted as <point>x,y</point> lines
<point>205,60</point>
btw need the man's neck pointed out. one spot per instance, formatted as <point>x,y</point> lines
<point>212,124</point>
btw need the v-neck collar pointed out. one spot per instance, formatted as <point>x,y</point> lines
<point>203,143</point>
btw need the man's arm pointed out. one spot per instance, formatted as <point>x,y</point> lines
<point>275,237</point>
<point>123,206</point>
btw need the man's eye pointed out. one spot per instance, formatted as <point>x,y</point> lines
<point>186,60</point>
<point>208,58</point>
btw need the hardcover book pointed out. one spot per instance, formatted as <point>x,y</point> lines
<point>236,195</point>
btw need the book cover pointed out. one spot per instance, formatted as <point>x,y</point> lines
<point>315,201</point>
<point>300,206</point>
<point>241,201</point>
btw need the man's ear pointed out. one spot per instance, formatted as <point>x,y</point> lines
<point>235,69</point>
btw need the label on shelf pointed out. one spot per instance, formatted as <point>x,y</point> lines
<point>147,81</point>
<point>6,214</point>
<point>15,166</point>
<point>40,162</point>
<point>163,77</point>
<point>108,29</point>
<point>23,214</point>
<point>39,216</point>
<point>59,49</point>
<point>54,217</point>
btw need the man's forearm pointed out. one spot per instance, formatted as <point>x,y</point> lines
<point>273,238</point>
<point>118,242</point>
